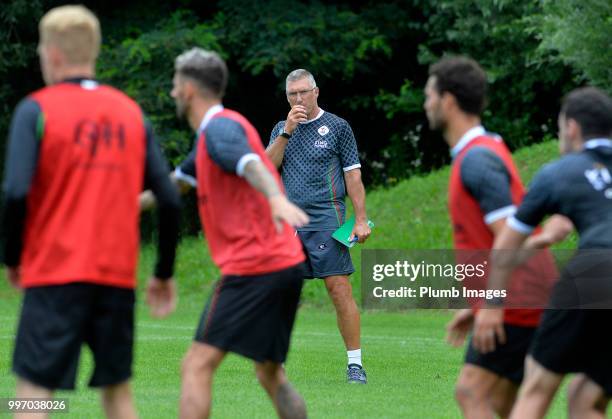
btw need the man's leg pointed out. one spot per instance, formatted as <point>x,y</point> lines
<point>537,391</point>
<point>198,369</point>
<point>503,397</point>
<point>27,389</point>
<point>118,402</point>
<point>586,399</point>
<point>347,314</point>
<point>474,390</point>
<point>287,401</point>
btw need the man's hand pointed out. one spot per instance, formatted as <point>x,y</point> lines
<point>458,328</point>
<point>488,326</point>
<point>296,115</point>
<point>557,228</point>
<point>283,210</point>
<point>146,200</point>
<point>13,275</point>
<point>361,230</point>
<point>161,297</point>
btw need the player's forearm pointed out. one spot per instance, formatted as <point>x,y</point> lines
<point>276,151</point>
<point>168,226</point>
<point>505,257</point>
<point>169,207</point>
<point>356,192</point>
<point>260,178</point>
<point>147,199</point>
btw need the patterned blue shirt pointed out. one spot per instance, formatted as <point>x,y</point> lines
<point>316,157</point>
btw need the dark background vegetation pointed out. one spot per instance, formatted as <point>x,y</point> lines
<point>370,60</point>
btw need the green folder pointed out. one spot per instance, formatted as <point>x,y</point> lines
<point>345,230</point>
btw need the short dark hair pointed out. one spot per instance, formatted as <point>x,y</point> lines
<point>463,78</point>
<point>591,108</point>
<point>207,68</point>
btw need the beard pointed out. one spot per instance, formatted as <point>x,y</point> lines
<point>181,109</point>
<point>565,145</point>
<point>436,122</point>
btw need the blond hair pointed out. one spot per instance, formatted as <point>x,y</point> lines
<point>75,30</point>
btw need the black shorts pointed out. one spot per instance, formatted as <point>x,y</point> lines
<point>324,255</point>
<point>572,341</point>
<point>55,322</point>
<point>507,360</point>
<point>253,315</point>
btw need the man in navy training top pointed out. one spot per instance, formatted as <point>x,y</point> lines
<point>316,153</point>
<point>574,336</point>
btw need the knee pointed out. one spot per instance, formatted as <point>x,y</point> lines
<point>197,364</point>
<point>116,391</point>
<point>263,377</point>
<point>269,376</point>
<point>467,394</point>
<point>536,385</point>
<point>339,289</point>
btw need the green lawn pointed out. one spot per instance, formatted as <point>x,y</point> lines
<point>411,370</point>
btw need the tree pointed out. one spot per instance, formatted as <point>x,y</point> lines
<point>581,33</point>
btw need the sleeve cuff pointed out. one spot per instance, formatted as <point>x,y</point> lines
<point>180,175</point>
<point>500,213</point>
<point>244,160</point>
<point>355,166</point>
<point>519,226</point>
<point>163,273</point>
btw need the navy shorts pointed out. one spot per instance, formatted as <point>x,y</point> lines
<point>253,316</point>
<point>507,360</point>
<point>576,341</point>
<point>324,255</point>
<point>57,320</point>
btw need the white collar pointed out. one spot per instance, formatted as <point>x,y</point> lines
<point>208,116</point>
<point>465,139</point>
<point>598,142</point>
<point>320,114</point>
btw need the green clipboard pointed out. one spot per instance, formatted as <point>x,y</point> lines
<point>344,232</point>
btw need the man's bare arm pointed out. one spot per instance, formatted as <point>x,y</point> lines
<point>356,192</point>
<point>276,150</point>
<point>147,198</point>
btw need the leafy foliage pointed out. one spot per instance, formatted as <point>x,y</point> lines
<point>332,41</point>
<point>370,61</point>
<point>142,66</point>
<point>581,32</point>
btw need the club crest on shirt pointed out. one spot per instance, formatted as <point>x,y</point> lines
<point>323,130</point>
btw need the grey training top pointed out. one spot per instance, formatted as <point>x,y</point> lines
<point>579,186</point>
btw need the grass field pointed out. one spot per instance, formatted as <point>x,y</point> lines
<point>411,370</point>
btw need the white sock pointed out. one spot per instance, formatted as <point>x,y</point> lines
<point>354,357</point>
